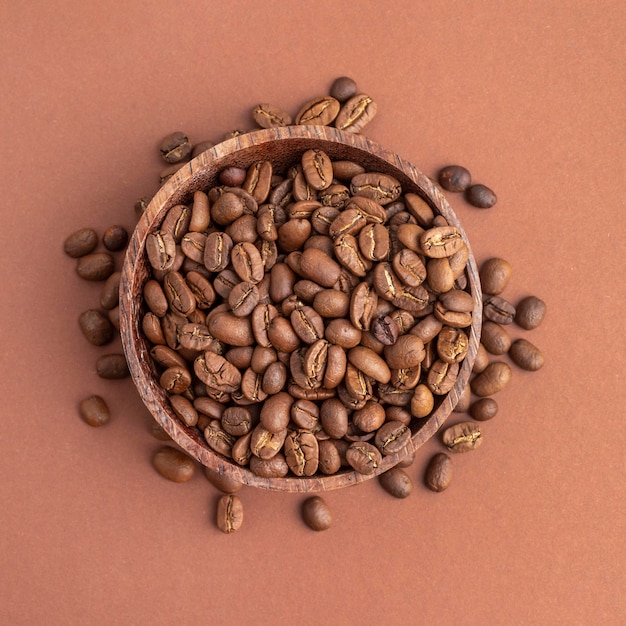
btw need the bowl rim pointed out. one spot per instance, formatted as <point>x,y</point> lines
<point>192,176</point>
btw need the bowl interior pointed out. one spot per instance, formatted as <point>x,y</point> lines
<point>283,147</point>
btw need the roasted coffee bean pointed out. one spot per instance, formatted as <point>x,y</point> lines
<point>175,379</point>
<point>370,363</point>
<point>495,338</point>
<point>462,437</point>
<point>184,410</point>
<point>258,180</point>
<point>307,324</point>
<point>178,294</point>
<point>319,111</point>
<point>302,452</point>
<point>494,378</point>
<point>265,444</point>
<point>355,113</point>
<point>316,513</point>
<point>452,344</point>
<point>232,330</point>
<point>222,482</point>
<point>270,116</point>
<point>318,266</point>
<point>363,304</point>
<point>494,275</point>
<point>317,169</point>
<point>243,298</point>
<point>484,409</point>
<point>407,351</point>
<point>440,277</point>
<point>115,238</point>
<point>218,439</point>
<point>370,418</point>
<point>499,310</point>
<point>441,241</point>
<point>374,242</point>
<point>396,482</point>
<point>81,242</point>
<point>417,207</point>
<point>110,294</point>
<point>480,196</point>
<point>409,268</point>
<point>392,437</point>
<point>112,366</point>
<point>455,178</point>
<point>457,300</point>
<point>236,420</point>
<point>363,457</point>
<point>161,250</point>
<point>175,147</point>
<point>329,457</point>
<point>382,188</point>
<point>439,472</point>
<point>422,401</point>
<point>385,329</point>
<point>96,327</point>
<point>95,266</point>
<point>229,513</point>
<point>526,355</point>
<point>335,195</point>
<point>330,303</point>
<point>293,233</point>
<point>216,372</point>
<point>173,464</point>
<point>276,412</point>
<point>334,418</point>
<point>530,312</point>
<point>274,467</point>
<point>346,170</point>
<point>343,88</point>
<point>176,222</point>
<point>94,411</point>
<point>349,255</point>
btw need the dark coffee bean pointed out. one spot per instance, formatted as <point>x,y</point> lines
<point>526,355</point>
<point>396,482</point>
<point>316,513</point>
<point>94,411</point>
<point>112,366</point>
<point>494,378</point>
<point>115,238</point>
<point>455,178</point>
<point>530,312</point>
<point>173,464</point>
<point>95,266</point>
<point>462,437</point>
<point>222,482</point>
<point>480,196</point>
<point>484,409</point>
<point>385,329</point>
<point>343,88</point>
<point>439,472</point>
<point>175,147</point>
<point>229,513</point>
<point>110,294</point>
<point>81,242</point>
<point>96,327</point>
<point>494,275</point>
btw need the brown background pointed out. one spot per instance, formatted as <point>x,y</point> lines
<point>530,97</point>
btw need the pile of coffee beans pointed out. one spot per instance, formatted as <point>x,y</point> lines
<point>239,320</point>
<point>306,320</point>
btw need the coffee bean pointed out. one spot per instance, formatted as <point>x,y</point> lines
<point>110,294</point>
<point>484,409</point>
<point>499,310</point>
<point>355,113</point>
<point>270,116</point>
<point>530,312</point>
<point>302,452</point>
<point>495,338</point>
<point>526,355</point>
<point>494,378</point>
<point>115,238</point>
<point>112,366</point>
<point>392,437</point>
<point>229,513</point>
<point>462,437</point>
<point>95,266</point>
<point>439,472</point>
<point>343,88</point>
<point>385,329</point>
<point>94,411</point>
<point>494,275</point>
<point>455,178</point>
<point>319,111</point>
<point>363,457</point>
<point>396,482</point>
<point>173,464</point>
<point>222,482</point>
<point>81,242</point>
<point>175,147</point>
<point>96,327</point>
<point>316,513</point>
<point>480,196</point>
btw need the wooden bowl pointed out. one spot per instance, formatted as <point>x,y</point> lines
<point>283,147</point>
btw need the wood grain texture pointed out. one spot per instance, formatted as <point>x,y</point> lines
<point>282,146</point>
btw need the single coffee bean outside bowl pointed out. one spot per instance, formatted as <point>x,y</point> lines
<point>283,147</point>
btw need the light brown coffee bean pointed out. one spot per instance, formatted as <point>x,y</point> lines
<point>462,437</point>
<point>270,116</point>
<point>407,351</point>
<point>229,513</point>
<point>232,330</point>
<point>370,363</point>
<point>318,111</point>
<point>494,275</point>
<point>175,379</point>
<point>216,372</point>
<point>173,464</point>
<point>441,241</point>
<point>452,344</point>
<point>363,457</point>
<point>530,312</point>
<point>81,242</point>
<point>317,266</point>
<point>493,379</point>
<point>526,355</point>
<point>382,188</point>
<point>329,457</point>
<point>274,467</point>
<point>302,452</point>
<point>439,472</point>
<point>422,401</point>
<point>316,513</point>
<point>355,113</point>
<point>495,338</point>
<point>396,482</point>
<point>265,444</point>
<point>94,411</point>
<point>276,412</point>
<point>317,169</point>
<point>392,437</point>
<point>161,250</point>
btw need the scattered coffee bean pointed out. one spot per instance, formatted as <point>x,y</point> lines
<point>484,409</point>
<point>396,482</point>
<point>94,411</point>
<point>494,275</point>
<point>173,464</point>
<point>493,379</point>
<point>530,312</point>
<point>343,88</point>
<point>112,366</point>
<point>95,266</point>
<point>480,196</point>
<point>115,238</point>
<point>462,437</point>
<point>175,147</point>
<point>439,472</point>
<point>81,242</point>
<point>229,513</point>
<point>526,355</point>
<point>316,513</point>
<point>455,178</point>
<point>96,327</point>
